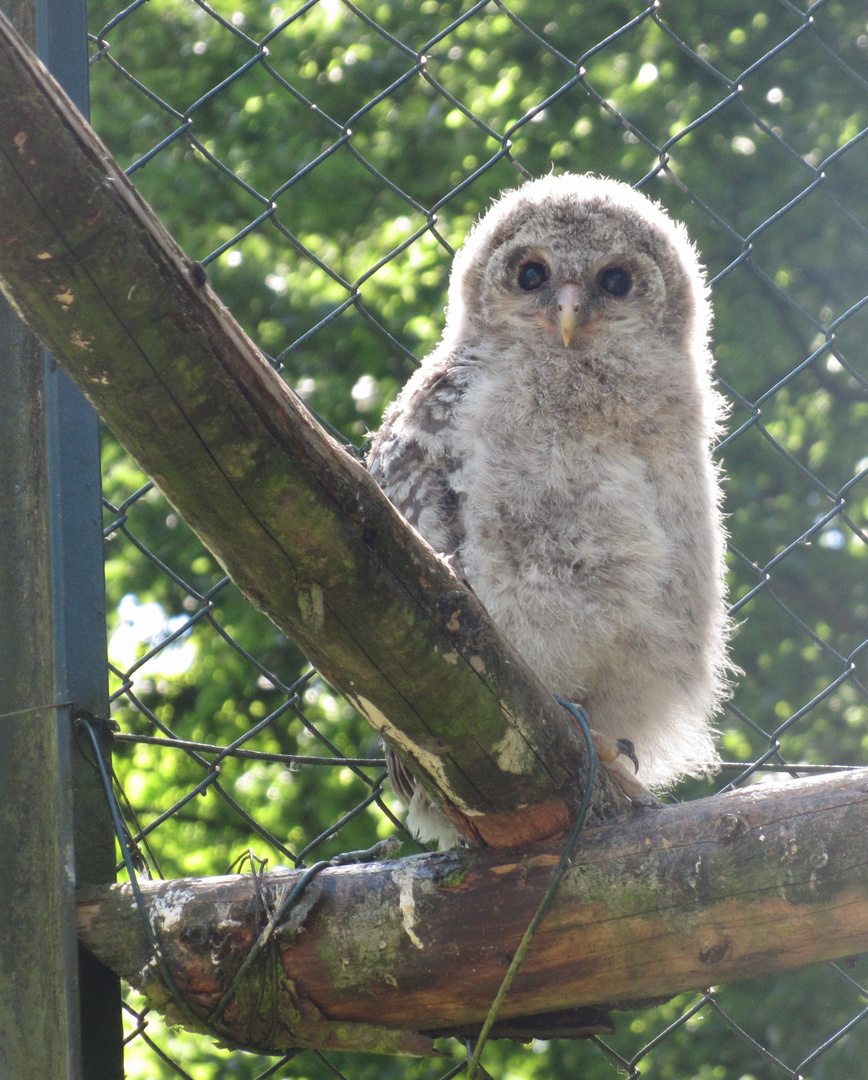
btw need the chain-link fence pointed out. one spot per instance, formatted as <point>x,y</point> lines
<point>323,160</point>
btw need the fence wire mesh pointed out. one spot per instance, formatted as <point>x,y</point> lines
<point>323,160</point>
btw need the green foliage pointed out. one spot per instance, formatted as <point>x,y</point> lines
<point>354,145</point>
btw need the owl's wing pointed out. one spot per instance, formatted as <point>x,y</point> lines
<point>413,456</point>
<point>413,459</point>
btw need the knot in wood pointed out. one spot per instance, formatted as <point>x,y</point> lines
<point>730,827</point>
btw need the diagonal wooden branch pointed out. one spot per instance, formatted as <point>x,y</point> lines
<point>297,523</point>
<point>749,883</point>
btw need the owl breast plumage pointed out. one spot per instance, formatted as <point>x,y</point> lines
<point>556,446</point>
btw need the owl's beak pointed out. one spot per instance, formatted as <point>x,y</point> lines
<point>568,305</point>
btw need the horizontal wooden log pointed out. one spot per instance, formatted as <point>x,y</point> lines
<point>298,524</point>
<point>748,883</point>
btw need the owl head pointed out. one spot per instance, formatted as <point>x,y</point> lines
<point>572,262</point>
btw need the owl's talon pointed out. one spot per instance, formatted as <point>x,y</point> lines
<point>610,753</point>
<point>628,750</point>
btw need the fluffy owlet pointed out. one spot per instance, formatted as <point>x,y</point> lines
<point>555,447</point>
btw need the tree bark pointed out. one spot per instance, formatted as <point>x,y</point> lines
<point>748,883</point>
<point>297,523</point>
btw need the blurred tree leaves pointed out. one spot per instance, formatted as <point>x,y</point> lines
<point>323,160</point>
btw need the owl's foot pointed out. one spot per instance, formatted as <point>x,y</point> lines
<point>610,750</point>
<point>610,753</point>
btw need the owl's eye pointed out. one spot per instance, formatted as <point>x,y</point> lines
<point>531,275</point>
<point>615,280</point>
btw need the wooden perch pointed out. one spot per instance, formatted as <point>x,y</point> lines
<point>298,524</point>
<point>748,883</point>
